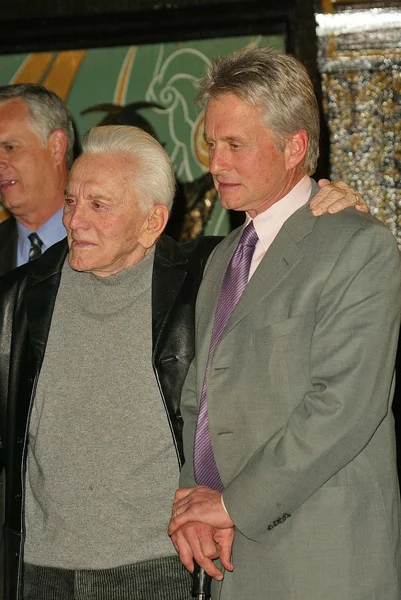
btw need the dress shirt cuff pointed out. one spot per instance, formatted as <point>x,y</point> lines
<point>223,505</point>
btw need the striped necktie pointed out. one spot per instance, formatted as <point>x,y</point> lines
<point>234,283</point>
<point>36,246</point>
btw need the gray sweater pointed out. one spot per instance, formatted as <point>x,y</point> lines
<point>101,469</point>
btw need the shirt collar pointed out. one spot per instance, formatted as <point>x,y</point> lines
<point>50,232</point>
<point>270,221</point>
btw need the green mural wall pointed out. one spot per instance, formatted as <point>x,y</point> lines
<point>115,78</point>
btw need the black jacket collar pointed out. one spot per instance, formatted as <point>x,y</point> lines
<point>8,245</point>
<point>43,281</point>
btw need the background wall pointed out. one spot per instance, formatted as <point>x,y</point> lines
<point>122,52</point>
<point>116,84</point>
<point>360,61</point>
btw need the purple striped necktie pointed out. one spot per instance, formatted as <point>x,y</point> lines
<point>234,283</point>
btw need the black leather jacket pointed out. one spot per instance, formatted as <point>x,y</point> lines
<point>27,297</point>
<point>8,246</point>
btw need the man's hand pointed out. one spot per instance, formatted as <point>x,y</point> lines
<point>203,543</point>
<point>199,504</point>
<point>334,197</point>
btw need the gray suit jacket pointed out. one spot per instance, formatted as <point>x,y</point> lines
<point>299,394</point>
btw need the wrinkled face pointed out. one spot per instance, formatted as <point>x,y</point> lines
<point>249,171</point>
<point>25,165</point>
<point>102,216</point>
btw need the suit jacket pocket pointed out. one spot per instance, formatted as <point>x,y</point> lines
<point>287,326</point>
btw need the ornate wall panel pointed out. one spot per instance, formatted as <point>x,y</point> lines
<point>360,62</point>
<point>151,85</point>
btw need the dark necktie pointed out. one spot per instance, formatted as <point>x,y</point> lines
<point>36,246</point>
<point>234,283</point>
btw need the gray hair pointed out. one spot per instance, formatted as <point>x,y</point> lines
<point>47,112</point>
<point>275,82</point>
<point>154,180</point>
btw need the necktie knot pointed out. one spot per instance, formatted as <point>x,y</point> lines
<point>249,236</point>
<point>36,246</point>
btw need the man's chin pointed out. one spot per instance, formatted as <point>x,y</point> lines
<point>77,264</point>
<point>230,202</point>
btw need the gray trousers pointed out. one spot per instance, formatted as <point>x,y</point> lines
<point>159,579</point>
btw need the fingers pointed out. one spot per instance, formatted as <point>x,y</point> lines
<point>330,205</point>
<point>323,182</point>
<point>184,551</point>
<point>194,541</point>
<point>210,568</point>
<point>335,197</point>
<point>362,207</point>
<point>202,505</point>
<point>179,501</point>
<point>225,559</point>
<point>224,538</point>
<point>178,520</point>
<point>327,196</point>
<point>181,493</point>
<point>181,498</point>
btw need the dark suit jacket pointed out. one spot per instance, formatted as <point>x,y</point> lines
<point>8,245</point>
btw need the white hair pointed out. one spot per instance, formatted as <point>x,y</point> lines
<point>47,112</point>
<point>153,179</point>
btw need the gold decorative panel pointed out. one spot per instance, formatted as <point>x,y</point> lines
<point>360,63</point>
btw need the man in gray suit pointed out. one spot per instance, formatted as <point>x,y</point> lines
<point>288,430</point>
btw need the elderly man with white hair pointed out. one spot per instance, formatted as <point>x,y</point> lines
<point>90,378</point>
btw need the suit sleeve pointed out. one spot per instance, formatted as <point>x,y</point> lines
<point>351,365</point>
<point>189,409</point>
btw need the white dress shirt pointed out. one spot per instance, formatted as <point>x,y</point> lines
<point>268,223</point>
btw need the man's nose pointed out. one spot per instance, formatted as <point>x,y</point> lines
<point>77,217</point>
<point>3,160</point>
<point>218,161</point>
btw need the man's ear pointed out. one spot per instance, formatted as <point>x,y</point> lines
<point>295,149</point>
<point>57,145</point>
<point>154,225</point>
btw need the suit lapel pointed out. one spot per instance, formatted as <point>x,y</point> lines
<point>208,297</point>
<point>213,279</point>
<point>167,281</point>
<point>41,292</point>
<point>280,259</point>
<point>276,265</point>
